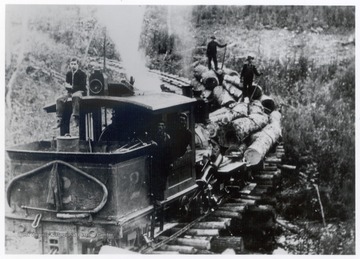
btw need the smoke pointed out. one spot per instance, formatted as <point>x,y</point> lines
<point>179,24</point>
<point>124,26</point>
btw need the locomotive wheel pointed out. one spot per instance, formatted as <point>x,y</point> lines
<point>184,207</point>
<point>201,204</point>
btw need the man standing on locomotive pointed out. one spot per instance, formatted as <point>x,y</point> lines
<point>76,87</point>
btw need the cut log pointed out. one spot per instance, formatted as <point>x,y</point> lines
<point>255,92</point>
<point>250,197</point>
<point>219,244</point>
<point>264,141</point>
<point>287,167</point>
<point>219,115</point>
<point>227,221</point>
<point>197,86</point>
<point>180,249</point>
<point>227,214</point>
<point>241,110</point>
<point>234,80</point>
<point>256,107</point>
<point>207,77</point>
<point>231,72</point>
<point>198,232</point>
<point>275,117</point>
<point>222,96</point>
<point>244,201</point>
<point>192,242</point>
<point>268,103</point>
<point>272,160</point>
<point>199,70</point>
<point>233,90</point>
<point>245,126</point>
<point>238,208</point>
<point>206,225</point>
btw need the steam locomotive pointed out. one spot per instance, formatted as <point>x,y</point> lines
<point>77,193</point>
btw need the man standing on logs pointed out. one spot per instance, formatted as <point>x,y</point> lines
<point>211,52</point>
<point>247,77</point>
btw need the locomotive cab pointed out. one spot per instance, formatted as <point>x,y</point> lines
<point>121,124</point>
<point>103,176</point>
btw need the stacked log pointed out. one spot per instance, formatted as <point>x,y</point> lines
<point>233,79</point>
<point>207,77</point>
<point>235,120</point>
<point>233,90</point>
<point>245,126</point>
<point>210,79</point>
<point>255,92</point>
<point>197,86</point>
<point>193,242</point>
<point>198,71</point>
<point>231,73</point>
<point>256,107</point>
<point>222,96</point>
<point>268,103</point>
<point>264,140</point>
<point>241,110</point>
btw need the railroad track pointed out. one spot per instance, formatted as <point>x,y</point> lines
<point>244,212</point>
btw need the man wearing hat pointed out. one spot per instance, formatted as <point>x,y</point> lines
<point>211,52</point>
<point>181,140</point>
<point>247,77</point>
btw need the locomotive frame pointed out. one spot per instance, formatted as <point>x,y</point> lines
<point>116,206</point>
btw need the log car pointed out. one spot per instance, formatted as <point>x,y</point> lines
<point>78,195</point>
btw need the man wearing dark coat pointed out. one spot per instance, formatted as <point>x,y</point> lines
<point>76,87</point>
<point>211,52</point>
<point>247,77</point>
<point>161,162</point>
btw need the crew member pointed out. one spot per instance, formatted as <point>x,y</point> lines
<point>181,140</point>
<point>161,162</point>
<point>76,87</point>
<point>247,77</point>
<point>211,52</point>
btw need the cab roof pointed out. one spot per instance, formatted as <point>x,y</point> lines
<point>149,101</point>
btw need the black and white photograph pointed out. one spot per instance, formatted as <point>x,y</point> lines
<point>195,128</point>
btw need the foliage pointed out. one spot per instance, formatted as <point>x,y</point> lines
<point>336,238</point>
<point>293,17</point>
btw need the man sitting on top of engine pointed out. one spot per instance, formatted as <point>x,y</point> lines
<point>76,87</point>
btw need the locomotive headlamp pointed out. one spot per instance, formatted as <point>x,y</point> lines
<point>96,86</point>
<point>98,83</point>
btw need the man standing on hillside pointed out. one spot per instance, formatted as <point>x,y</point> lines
<point>247,77</point>
<point>76,87</point>
<point>211,52</point>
